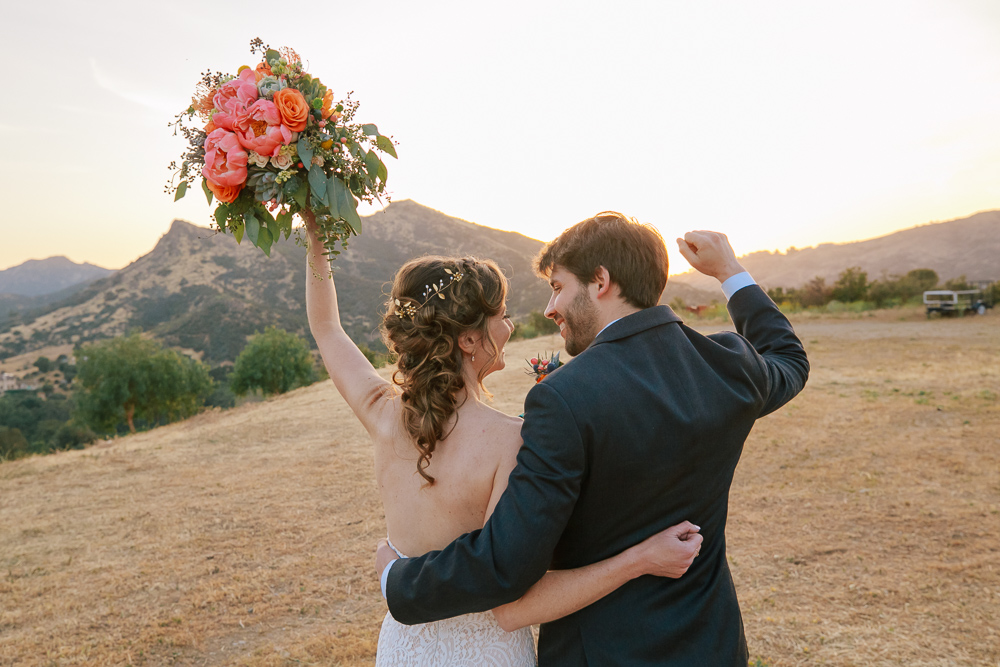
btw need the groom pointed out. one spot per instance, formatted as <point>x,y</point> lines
<point>643,430</point>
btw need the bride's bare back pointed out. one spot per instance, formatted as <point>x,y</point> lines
<point>470,467</point>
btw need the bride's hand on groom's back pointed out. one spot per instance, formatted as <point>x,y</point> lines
<point>669,553</point>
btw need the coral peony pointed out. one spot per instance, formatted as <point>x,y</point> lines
<point>259,128</point>
<point>225,193</point>
<point>233,97</point>
<point>225,160</point>
<point>293,108</point>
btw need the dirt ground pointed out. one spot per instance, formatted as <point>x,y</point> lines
<point>864,525</point>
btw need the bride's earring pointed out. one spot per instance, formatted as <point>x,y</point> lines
<point>473,357</point>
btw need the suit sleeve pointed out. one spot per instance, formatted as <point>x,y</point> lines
<point>498,564</point>
<point>780,353</point>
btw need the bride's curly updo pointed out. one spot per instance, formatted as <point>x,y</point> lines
<point>422,330</point>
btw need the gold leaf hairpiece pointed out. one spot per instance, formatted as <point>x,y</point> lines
<point>408,310</point>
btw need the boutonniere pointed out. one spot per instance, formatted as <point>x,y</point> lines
<point>542,366</point>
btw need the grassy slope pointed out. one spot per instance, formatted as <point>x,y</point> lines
<point>863,521</point>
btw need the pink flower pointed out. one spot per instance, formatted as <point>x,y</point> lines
<point>259,128</point>
<point>233,97</point>
<point>225,159</point>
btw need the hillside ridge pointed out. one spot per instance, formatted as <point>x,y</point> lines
<point>38,277</point>
<point>967,246</point>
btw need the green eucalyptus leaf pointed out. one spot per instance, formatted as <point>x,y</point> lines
<point>208,193</point>
<point>347,205</point>
<point>369,129</point>
<point>285,223</point>
<point>383,173</point>
<point>305,152</point>
<point>301,193</point>
<point>385,143</point>
<point>317,182</point>
<point>372,164</point>
<point>237,228</point>
<point>252,226</point>
<point>221,215</point>
<point>181,189</point>
<point>272,56</point>
<point>265,240</point>
<point>332,188</point>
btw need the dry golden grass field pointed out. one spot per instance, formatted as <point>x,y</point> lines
<point>864,523</point>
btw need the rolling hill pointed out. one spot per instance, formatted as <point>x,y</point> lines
<point>967,246</point>
<point>200,291</point>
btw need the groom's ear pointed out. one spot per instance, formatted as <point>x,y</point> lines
<point>602,282</point>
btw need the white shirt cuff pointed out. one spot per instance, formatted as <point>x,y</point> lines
<point>734,284</point>
<point>385,576</point>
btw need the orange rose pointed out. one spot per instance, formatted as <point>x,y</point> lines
<point>327,102</point>
<point>224,193</point>
<point>293,109</point>
<point>263,69</point>
<point>210,127</point>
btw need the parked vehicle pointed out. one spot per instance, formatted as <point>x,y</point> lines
<point>950,303</point>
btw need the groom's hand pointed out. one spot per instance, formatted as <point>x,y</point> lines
<point>710,253</point>
<point>670,553</point>
<point>383,556</point>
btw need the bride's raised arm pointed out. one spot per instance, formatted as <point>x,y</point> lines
<point>350,370</point>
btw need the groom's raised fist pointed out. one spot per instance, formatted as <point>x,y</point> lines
<point>710,253</point>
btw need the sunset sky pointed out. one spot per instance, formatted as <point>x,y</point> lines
<point>781,123</point>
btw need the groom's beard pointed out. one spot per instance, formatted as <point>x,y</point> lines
<point>581,323</point>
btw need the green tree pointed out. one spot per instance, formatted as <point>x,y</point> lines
<point>130,378</point>
<point>44,364</point>
<point>852,285</point>
<point>275,361</point>
<point>922,280</point>
<point>957,284</point>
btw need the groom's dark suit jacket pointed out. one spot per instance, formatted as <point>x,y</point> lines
<point>641,431</point>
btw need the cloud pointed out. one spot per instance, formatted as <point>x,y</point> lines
<point>150,99</point>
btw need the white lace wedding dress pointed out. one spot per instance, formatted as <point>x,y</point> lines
<point>473,640</point>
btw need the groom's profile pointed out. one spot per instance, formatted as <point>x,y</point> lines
<point>641,431</point>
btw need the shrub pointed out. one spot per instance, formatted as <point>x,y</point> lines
<point>73,436</point>
<point>12,443</point>
<point>274,362</point>
<point>534,325</point>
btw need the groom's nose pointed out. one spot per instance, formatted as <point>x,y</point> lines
<point>550,308</point>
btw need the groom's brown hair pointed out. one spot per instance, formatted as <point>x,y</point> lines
<point>633,253</point>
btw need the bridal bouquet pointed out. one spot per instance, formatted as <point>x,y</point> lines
<point>271,143</point>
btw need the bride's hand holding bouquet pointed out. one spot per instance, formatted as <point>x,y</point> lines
<point>272,144</point>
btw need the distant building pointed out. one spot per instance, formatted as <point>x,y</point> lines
<point>10,382</point>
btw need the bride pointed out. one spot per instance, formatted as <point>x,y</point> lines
<point>442,455</point>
